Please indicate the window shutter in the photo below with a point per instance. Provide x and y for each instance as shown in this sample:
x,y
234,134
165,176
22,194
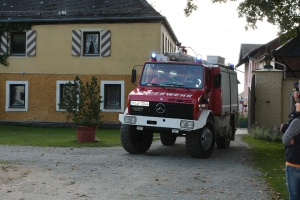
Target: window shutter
x,y
3,43
31,42
76,42
105,43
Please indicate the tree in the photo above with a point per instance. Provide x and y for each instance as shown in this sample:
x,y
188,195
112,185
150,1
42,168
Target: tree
x,y
283,13
190,7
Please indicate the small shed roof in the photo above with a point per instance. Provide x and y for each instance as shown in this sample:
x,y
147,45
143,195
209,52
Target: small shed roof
x,y
291,48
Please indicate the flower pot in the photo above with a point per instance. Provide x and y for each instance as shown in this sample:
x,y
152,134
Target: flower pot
x,y
86,133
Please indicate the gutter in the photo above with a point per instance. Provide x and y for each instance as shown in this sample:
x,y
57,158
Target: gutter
x,y
84,19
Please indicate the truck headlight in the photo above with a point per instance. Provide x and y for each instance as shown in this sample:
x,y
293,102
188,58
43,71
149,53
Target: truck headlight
x,y
187,124
128,119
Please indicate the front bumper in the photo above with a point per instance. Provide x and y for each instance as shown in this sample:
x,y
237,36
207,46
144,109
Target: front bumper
x,y
180,124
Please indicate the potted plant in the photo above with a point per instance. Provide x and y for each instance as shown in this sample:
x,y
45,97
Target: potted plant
x,y
82,102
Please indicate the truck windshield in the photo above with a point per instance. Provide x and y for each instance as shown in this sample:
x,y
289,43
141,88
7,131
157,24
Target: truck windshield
x,y
171,74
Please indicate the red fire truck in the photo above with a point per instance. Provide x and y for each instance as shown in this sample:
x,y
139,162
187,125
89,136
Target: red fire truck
x,y
178,96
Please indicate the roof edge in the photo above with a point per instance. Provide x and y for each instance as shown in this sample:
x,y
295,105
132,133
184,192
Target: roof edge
x,y
86,19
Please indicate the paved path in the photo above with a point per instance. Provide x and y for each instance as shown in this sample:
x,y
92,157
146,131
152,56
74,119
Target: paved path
x,y
163,173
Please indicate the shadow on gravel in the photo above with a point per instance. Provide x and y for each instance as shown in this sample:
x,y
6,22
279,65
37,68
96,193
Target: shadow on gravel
x,y
236,151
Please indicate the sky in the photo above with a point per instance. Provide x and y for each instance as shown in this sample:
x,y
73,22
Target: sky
x,y
214,29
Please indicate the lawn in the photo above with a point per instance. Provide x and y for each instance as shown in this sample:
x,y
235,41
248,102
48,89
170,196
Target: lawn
x,y
268,158
54,137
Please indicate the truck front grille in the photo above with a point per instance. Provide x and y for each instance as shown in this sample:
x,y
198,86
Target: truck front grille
x,y
171,110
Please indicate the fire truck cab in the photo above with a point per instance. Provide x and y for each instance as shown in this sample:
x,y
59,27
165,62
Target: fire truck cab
x,y
178,96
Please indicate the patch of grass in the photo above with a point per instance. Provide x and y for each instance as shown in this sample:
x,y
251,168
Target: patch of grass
x,y
54,137
266,133
268,157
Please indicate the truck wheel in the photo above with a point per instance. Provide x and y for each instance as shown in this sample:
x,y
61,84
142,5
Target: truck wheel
x,y
133,141
200,143
224,141
168,140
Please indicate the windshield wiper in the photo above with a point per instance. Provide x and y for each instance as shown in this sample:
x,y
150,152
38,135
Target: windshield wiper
x,y
174,84
151,84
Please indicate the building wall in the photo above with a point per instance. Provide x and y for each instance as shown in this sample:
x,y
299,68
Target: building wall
x,y
169,44
263,84
42,97
268,93
246,75
131,44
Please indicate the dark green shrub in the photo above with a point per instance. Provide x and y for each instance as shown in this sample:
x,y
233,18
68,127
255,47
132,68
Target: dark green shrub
x,y
242,121
82,102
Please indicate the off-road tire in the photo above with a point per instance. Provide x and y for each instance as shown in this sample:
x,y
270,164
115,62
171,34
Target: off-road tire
x,y
201,143
224,141
133,141
168,140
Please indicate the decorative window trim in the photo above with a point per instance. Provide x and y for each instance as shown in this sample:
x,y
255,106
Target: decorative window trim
x,y
7,104
103,83
58,83
30,44
78,42
3,43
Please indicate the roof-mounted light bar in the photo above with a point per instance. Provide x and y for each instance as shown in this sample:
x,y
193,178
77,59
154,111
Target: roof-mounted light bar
x,y
181,57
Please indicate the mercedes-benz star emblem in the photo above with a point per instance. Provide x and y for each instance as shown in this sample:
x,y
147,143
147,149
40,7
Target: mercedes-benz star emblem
x,y
160,108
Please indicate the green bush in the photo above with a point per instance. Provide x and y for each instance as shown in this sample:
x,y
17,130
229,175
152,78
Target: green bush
x,y
242,121
263,133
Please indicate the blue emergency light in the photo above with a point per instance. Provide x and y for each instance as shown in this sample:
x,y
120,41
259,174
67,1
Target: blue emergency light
x,y
231,66
153,56
198,58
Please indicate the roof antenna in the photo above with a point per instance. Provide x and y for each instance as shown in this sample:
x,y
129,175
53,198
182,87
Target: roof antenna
x,y
39,5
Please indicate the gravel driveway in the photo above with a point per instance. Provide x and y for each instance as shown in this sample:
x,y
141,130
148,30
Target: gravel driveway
x,y
163,173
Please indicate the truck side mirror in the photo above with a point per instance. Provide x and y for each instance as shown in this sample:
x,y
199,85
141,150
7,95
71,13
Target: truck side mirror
x,y
133,75
217,80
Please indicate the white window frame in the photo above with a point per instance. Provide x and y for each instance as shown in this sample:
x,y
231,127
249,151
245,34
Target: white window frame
x,y
86,30
7,104
58,83
103,83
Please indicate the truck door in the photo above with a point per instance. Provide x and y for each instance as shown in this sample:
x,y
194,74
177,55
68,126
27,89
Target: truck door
x,y
225,84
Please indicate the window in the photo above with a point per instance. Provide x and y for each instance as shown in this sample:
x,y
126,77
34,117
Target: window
x,y
60,92
16,96
91,43
112,93
18,44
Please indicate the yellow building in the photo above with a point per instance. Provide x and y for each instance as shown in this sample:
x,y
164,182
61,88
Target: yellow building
x,y
87,38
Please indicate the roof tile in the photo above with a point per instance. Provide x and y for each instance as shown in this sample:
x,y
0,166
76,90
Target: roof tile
x,y
78,9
